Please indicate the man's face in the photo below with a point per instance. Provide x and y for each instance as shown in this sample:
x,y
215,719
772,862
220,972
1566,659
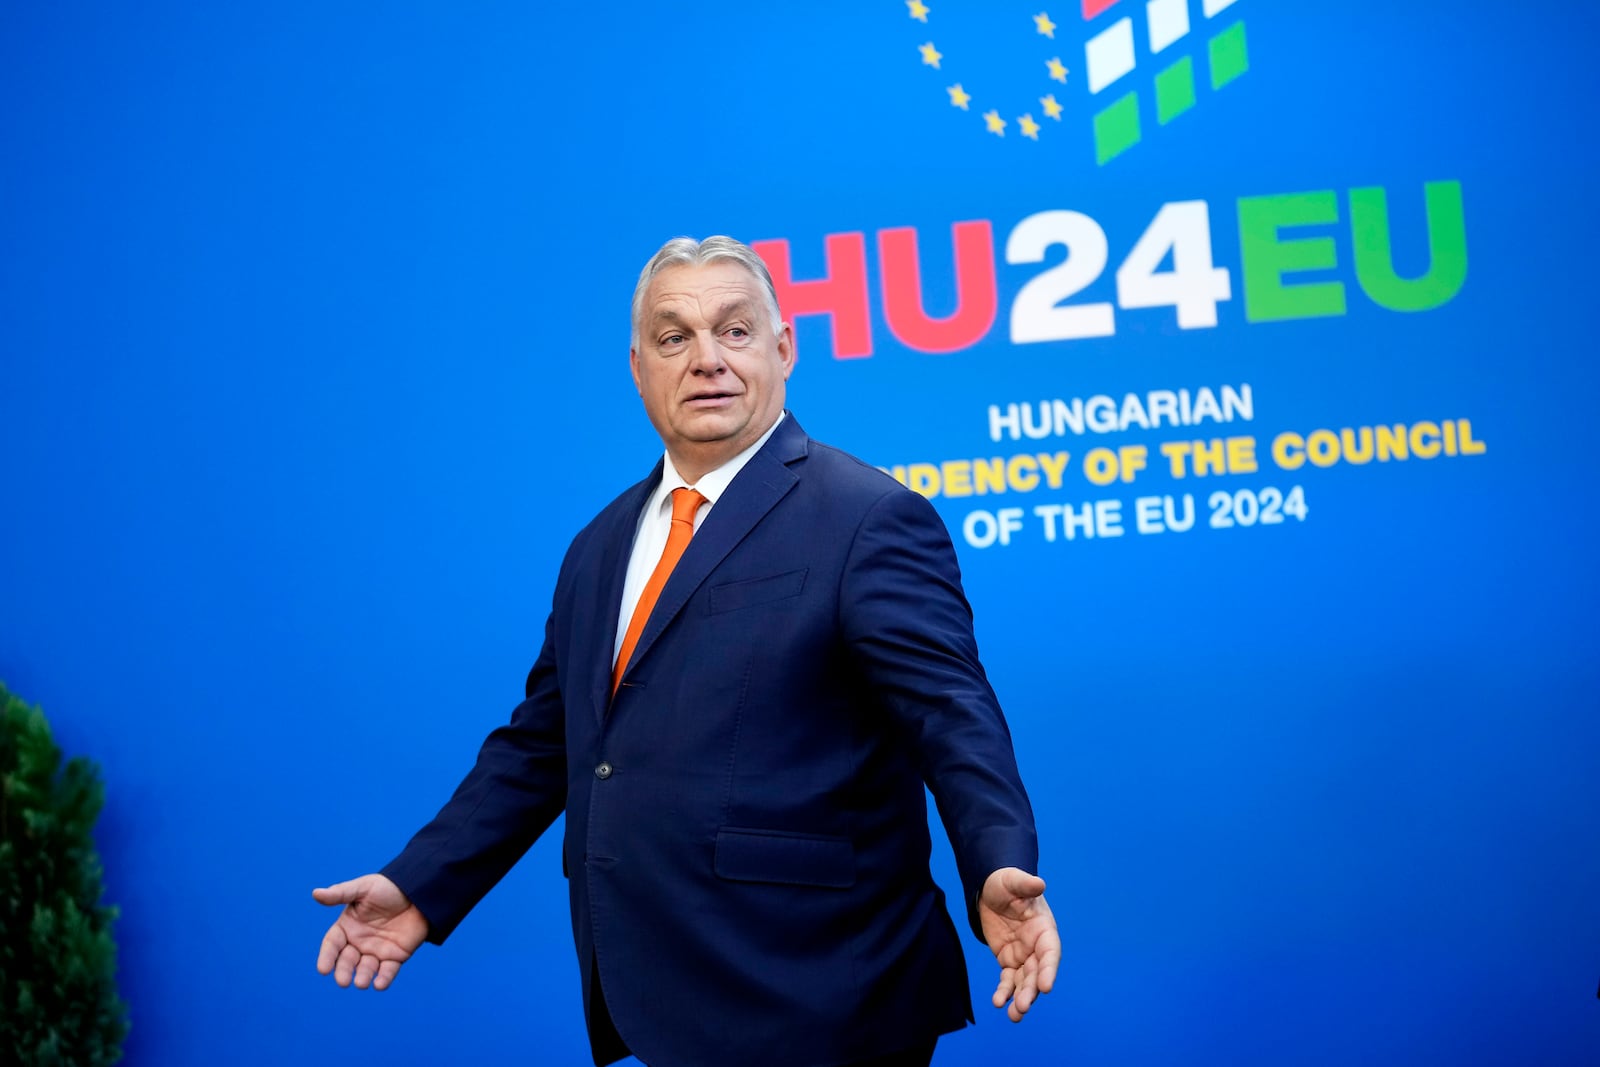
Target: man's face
x,y
710,367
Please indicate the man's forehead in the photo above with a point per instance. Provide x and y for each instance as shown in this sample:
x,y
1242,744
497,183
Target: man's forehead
x,y
712,285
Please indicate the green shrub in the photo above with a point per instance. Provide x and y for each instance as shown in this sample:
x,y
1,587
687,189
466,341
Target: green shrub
x,y
58,990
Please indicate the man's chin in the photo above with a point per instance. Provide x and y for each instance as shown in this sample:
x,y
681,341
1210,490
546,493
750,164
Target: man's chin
x,y
712,426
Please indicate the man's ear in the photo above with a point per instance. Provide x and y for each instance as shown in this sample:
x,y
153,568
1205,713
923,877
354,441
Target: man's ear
x,y
786,349
633,368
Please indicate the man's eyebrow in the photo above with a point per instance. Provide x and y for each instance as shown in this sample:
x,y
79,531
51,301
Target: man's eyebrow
x,y
737,306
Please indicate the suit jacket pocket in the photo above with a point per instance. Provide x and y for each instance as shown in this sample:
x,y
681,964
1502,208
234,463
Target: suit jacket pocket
x,y
736,595
788,858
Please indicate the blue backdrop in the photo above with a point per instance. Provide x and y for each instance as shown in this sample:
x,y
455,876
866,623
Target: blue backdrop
x,y
305,313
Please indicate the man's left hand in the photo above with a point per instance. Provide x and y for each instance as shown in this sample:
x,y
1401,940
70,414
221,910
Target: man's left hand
x,y
1020,929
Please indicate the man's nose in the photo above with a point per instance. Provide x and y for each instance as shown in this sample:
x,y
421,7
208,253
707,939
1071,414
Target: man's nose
x,y
707,356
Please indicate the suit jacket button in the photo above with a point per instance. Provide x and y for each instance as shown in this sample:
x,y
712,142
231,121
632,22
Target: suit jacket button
x,y
603,771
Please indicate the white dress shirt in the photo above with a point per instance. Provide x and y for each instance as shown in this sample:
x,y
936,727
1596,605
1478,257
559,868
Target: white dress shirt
x,y
655,522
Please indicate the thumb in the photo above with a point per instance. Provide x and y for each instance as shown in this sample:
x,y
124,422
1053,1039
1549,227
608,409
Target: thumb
x,y
341,893
1022,884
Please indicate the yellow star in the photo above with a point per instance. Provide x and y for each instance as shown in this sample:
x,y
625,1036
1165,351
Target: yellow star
x,y
1057,71
930,55
919,10
959,97
996,124
1042,22
1030,129
1050,106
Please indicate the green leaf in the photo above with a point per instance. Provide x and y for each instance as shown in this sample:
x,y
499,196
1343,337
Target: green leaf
x,y
58,994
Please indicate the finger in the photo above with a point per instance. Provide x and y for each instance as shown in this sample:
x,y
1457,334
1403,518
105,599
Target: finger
x,y
365,969
339,893
332,943
1027,990
1049,960
1023,997
348,958
386,972
1002,992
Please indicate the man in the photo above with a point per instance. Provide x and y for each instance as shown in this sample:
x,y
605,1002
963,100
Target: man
x,y
754,660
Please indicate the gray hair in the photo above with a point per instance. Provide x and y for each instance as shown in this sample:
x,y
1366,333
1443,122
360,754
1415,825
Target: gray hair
x,y
687,252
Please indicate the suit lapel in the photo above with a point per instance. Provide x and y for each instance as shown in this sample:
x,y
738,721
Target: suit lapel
x,y
617,545
765,480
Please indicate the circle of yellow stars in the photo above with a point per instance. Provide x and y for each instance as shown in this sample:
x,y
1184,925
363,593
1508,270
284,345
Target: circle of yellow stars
x,y
959,97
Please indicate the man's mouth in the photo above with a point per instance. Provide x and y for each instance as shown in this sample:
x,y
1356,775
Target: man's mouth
x,y
708,399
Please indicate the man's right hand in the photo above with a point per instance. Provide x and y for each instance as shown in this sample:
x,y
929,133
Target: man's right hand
x,y
377,931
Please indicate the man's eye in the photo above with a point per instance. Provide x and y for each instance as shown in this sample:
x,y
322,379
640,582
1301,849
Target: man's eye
x,y
738,331
672,339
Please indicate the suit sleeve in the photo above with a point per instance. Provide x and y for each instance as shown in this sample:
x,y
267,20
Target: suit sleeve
x,y
511,796
908,622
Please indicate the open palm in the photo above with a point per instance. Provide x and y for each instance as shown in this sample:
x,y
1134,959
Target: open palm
x,y
377,931
1021,931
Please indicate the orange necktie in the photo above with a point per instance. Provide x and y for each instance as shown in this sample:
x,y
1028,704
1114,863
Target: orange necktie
x,y
685,502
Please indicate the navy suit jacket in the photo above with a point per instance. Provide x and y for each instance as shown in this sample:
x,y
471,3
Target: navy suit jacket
x,y
746,835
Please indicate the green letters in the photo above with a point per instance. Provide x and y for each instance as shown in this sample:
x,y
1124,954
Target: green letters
x,y
1447,249
1267,257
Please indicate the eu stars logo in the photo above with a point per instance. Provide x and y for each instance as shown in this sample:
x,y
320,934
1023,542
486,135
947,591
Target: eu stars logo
x,y
1102,95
